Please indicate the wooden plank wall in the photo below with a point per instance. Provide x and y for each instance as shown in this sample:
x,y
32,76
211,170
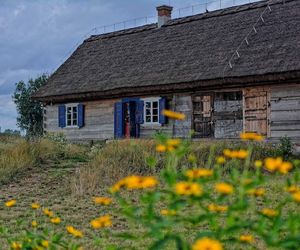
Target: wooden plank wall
x,y
285,112
183,104
99,122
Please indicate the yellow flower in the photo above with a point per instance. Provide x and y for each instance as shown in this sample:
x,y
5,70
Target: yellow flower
x,y
34,223
48,213
207,244
239,154
173,142
10,203
198,173
74,232
269,212
258,164
102,201
217,208
188,188
221,160
251,136
135,182
168,212
35,206
296,196
258,192
161,148
273,164
45,243
285,167
173,115
16,246
242,154
246,238
101,222
55,220
292,189
224,188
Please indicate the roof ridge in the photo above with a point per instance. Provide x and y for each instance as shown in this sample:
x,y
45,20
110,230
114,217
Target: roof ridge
x,y
191,18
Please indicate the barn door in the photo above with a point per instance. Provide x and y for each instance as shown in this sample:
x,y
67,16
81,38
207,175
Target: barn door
x,y
256,110
203,115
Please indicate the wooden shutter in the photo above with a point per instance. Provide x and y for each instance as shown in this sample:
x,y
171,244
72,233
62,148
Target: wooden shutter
x,y
80,115
119,120
62,116
162,106
202,115
139,112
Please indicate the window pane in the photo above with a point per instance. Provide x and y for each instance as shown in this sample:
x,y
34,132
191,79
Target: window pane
x,y
69,122
75,109
155,118
148,105
69,110
148,112
155,111
75,122
74,116
148,118
155,104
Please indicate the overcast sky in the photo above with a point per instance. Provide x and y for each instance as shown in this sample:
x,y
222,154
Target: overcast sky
x,y
36,36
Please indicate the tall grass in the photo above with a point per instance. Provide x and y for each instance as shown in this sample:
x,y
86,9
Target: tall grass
x,y
17,154
118,159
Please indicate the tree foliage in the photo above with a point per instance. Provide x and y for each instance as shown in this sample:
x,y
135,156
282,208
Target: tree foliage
x,y
30,112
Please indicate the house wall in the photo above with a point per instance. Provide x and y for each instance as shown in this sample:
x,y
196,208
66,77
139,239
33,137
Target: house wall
x,y
285,112
271,111
99,121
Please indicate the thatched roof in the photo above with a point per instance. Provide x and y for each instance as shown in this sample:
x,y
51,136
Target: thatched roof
x,y
186,53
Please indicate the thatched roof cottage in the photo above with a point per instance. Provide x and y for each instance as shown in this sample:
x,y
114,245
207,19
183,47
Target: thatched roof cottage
x,y
230,70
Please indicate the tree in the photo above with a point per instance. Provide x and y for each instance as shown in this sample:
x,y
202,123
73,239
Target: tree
x,y
30,112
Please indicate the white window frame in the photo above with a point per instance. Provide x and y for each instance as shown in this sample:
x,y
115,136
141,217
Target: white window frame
x,y
71,105
151,100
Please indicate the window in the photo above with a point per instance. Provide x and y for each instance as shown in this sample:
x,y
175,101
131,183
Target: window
x,y
71,115
151,111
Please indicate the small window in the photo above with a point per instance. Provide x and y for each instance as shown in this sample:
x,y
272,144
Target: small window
x,y
71,115
151,111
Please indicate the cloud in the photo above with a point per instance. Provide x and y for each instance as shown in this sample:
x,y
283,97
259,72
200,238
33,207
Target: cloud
x,y
8,113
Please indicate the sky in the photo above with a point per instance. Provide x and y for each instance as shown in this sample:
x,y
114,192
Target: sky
x,y
36,36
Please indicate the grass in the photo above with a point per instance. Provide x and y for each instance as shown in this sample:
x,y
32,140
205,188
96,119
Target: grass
x,y
58,176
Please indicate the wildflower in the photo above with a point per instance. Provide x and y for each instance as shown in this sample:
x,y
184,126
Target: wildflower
x,y
207,244
34,223
217,208
173,142
292,189
10,203
258,164
161,148
101,222
102,201
239,154
227,153
269,212
135,182
285,167
45,243
273,164
55,220
258,192
246,238
242,154
16,246
173,115
198,173
168,212
251,136
296,196
221,160
35,206
48,213
76,233
224,188
188,188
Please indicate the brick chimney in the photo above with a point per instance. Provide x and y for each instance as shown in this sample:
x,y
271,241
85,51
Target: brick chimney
x,y
164,14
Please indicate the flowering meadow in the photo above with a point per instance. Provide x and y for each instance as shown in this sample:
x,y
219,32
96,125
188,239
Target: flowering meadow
x,y
186,206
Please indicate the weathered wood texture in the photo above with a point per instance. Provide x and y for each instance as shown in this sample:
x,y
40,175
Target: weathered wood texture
x,y
285,112
256,110
182,104
99,122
